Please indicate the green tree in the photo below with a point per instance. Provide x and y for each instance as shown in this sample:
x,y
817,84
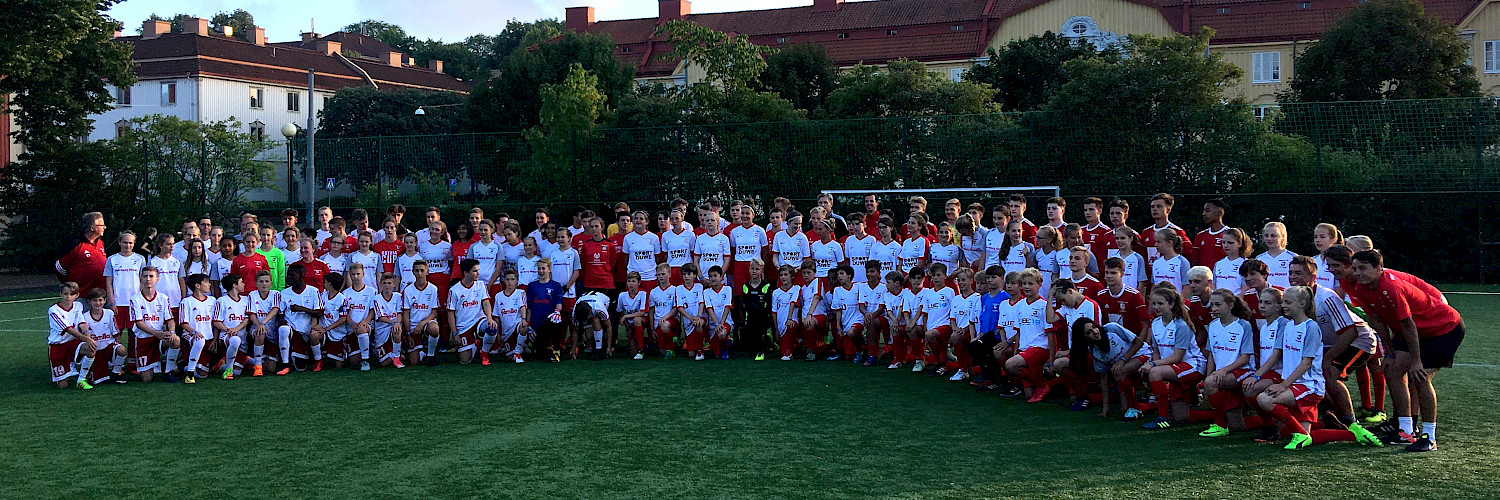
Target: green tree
x,y
368,136
50,195
174,21
458,61
803,74
1027,72
516,35
365,111
387,33
192,167
58,65
905,88
242,22
1384,49
729,61
570,111
512,101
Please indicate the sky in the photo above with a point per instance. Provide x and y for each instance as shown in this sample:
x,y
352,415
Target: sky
x,y
448,20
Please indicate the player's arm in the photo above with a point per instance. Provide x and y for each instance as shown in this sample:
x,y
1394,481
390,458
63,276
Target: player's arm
x,y
488,307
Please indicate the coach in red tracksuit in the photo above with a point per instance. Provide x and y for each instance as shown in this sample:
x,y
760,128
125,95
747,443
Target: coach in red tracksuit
x,y
84,263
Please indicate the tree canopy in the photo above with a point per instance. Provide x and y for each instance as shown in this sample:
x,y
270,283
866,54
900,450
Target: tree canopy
x,y
1026,73
1384,49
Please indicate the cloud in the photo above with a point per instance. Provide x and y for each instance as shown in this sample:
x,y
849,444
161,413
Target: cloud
x,y
449,20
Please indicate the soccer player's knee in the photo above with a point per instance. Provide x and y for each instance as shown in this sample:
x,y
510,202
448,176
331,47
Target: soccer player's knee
x,y
119,350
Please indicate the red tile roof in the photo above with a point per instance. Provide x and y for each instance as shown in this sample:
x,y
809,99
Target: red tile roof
x,y
182,54
864,24
360,44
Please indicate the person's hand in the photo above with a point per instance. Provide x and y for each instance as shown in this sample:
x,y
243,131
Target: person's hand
x,y
1416,370
1147,366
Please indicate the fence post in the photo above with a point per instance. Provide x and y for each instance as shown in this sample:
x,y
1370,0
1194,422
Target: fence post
x,y
1479,167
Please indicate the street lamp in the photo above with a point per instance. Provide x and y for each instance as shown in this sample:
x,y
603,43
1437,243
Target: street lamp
x,y
421,111
289,131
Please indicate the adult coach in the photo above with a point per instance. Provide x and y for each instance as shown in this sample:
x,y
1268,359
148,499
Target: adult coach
x,y
84,263
1423,331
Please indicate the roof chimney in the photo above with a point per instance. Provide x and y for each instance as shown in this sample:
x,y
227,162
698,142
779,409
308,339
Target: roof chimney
x,y
394,58
195,25
329,47
579,18
228,30
258,37
435,65
153,29
672,10
827,5
309,36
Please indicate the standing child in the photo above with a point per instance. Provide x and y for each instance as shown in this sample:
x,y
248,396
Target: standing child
x,y
754,297
1048,244
223,260
275,259
1135,273
169,270
122,277
1277,258
1170,266
367,257
407,260
335,258
313,270
566,269
1236,247
526,264
1015,253
544,301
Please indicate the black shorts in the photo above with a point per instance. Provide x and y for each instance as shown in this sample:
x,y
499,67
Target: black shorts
x,y
1346,361
1437,352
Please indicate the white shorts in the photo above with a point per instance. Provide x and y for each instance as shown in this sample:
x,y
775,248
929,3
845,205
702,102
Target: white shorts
x,y
336,334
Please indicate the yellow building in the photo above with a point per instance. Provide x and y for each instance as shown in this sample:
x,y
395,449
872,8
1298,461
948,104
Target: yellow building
x,y
1260,36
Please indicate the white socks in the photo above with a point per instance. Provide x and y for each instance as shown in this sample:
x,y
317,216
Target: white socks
x,y
232,351
432,343
170,363
317,352
195,351
285,344
520,344
598,339
364,346
487,343
1404,423
1430,429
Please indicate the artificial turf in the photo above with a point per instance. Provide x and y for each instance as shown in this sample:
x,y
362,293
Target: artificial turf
x,y
675,428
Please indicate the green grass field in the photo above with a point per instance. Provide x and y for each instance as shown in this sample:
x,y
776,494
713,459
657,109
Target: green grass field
x,y
675,428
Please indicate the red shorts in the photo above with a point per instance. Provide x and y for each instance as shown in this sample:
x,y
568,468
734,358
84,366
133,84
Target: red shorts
x,y
1240,373
464,341
568,305
336,350
1307,403
944,331
740,271
855,329
62,356
1143,359
1183,369
673,325
442,282
147,352
1035,357
122,318
648,285
1273,376
676,278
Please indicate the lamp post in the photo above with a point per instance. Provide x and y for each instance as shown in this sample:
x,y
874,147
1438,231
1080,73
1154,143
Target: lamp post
x,y
289,131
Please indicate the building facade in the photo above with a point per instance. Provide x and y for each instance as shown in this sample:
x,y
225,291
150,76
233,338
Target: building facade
x,y
1260,36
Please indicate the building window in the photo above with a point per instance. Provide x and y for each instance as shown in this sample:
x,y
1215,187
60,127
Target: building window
x,y
257,98
843,35
625,50
1304,5
1262,112
258,130
122,96
122,128
169,94
890,32
294,101
1265,67
956,74
325,102
957,27
1223,10
781,40
1492,56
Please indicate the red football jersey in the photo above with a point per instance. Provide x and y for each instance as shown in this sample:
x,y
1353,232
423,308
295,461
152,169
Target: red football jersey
x,y
83,265
313,272
351,244
1395,298
246,266
1200,313
598,259
1208,247
1128,308
1148,238
619,261
389,251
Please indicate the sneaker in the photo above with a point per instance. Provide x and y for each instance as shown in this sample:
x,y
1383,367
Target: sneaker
x,y
1400,438
1079,404
786,358
724,355
859,357
1423,443
639,356
978,380
760,356
988,387
918,366
518,359
283,371
834,357
256,371
556,357
895,365
228,373
1374,418
1365,437
188,378
668,354
958,376
1011,392
84,384
484,358
1131,414
430,361
1268,434
364,366
871,360
171,378
118,379
1214,431
812,356
699,357
1299,441
318,365
941,371
1040,393
1158,424
396,362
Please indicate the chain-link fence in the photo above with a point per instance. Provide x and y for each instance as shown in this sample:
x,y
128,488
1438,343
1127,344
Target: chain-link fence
x,y
1416,175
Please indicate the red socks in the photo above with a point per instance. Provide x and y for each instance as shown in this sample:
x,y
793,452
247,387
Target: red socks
x,y
1291,425
1163,392
1321,436
1377,381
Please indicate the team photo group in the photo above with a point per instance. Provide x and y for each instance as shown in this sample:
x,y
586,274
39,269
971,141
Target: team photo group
x,y
1159,325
